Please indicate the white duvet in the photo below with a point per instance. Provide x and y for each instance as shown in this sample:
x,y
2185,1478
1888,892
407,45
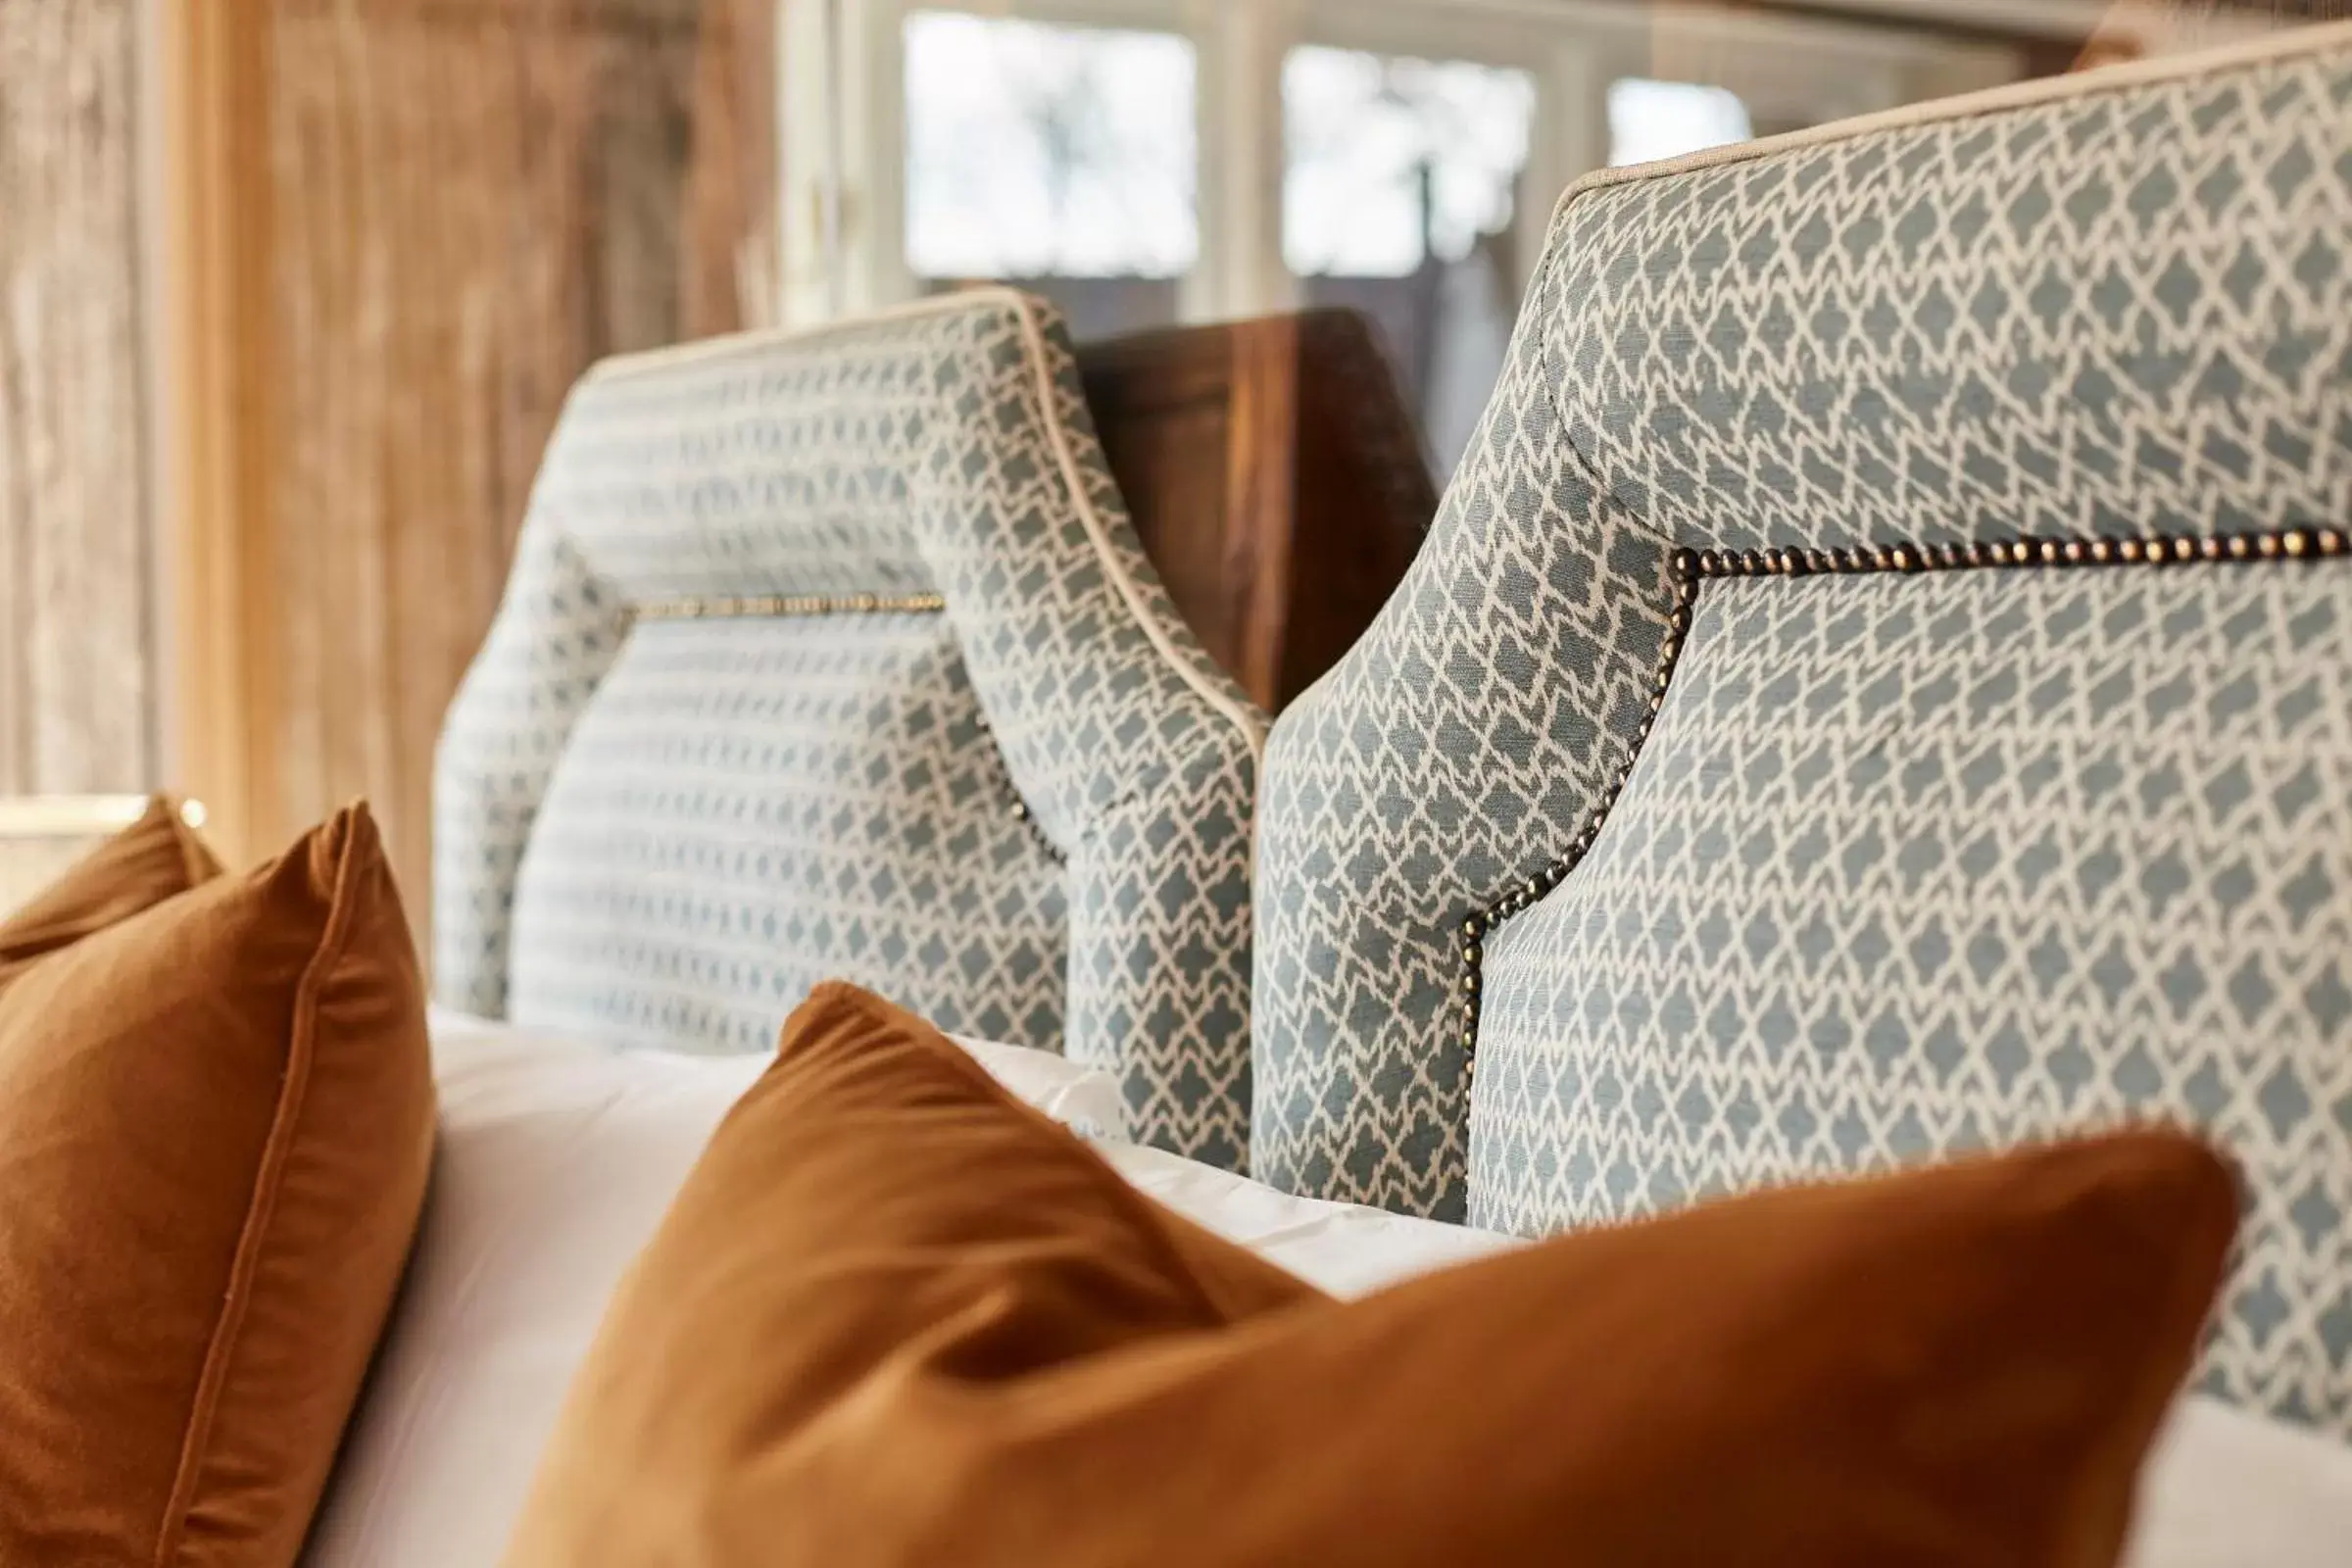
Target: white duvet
x,y
558,1161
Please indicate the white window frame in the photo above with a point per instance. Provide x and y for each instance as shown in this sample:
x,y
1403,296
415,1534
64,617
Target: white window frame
x,y
843,124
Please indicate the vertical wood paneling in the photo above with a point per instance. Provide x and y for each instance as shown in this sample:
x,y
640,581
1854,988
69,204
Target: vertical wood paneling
x,y
220,663
465,203
77,694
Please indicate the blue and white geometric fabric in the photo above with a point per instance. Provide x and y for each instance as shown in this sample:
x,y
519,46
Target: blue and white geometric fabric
x,y
1881,683
959,746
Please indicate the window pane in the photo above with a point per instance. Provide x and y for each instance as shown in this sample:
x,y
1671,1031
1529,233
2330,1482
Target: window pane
x,y
1653,119
1038,152
1392,160
1401,186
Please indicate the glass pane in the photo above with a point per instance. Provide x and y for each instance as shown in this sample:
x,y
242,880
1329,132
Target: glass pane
x,y
1653,119
1394,159
1061,158
1398,199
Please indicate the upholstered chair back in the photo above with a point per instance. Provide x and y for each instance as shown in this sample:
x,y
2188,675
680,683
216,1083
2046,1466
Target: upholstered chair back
x,y
1880,684
833,655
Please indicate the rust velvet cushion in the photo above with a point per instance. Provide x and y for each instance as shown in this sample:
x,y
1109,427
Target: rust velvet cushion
x,y
895,1318
216,1122
157,857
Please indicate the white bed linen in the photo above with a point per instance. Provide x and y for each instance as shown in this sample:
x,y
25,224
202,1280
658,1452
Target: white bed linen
x,y
558,1161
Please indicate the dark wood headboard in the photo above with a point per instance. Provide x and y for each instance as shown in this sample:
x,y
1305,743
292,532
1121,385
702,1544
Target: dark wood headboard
x,y
1276,479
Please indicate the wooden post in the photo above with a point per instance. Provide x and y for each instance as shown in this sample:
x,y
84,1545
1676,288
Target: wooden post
x,y
215,343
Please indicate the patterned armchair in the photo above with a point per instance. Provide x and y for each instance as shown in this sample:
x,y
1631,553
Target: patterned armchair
x,y
833,655
1880,684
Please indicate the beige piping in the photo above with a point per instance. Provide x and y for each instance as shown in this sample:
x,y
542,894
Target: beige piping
x,y
1253,734
1097,532
2311,40
731,344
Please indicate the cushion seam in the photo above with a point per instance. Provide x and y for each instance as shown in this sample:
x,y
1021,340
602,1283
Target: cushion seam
x,y
1109,1186
261,1208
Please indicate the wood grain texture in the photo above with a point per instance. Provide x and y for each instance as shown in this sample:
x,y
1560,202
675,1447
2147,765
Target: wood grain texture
x,y
1275,478
77,697
216,403
459,207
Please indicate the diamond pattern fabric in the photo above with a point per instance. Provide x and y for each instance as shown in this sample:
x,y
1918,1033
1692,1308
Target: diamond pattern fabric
x,y
1029,815
2115,306
1912,865
847,758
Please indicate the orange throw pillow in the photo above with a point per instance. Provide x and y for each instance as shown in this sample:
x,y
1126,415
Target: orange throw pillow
x,y
216,1120
896,1320
157,857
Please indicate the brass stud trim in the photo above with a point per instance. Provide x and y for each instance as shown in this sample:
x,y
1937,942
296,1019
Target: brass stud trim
x,y
1016,806
1018,810
770,607
1686,569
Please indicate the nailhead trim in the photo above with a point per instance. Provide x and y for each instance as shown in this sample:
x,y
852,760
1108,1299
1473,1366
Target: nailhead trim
x,y
773,606
1688,568
778,606
1016,805
1028,818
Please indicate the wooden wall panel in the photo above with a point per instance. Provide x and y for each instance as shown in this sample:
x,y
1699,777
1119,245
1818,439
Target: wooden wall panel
x,y
76,698
461,204
1275,478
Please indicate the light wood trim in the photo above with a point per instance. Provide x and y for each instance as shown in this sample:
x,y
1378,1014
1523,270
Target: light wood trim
x,y
80,816
216,420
